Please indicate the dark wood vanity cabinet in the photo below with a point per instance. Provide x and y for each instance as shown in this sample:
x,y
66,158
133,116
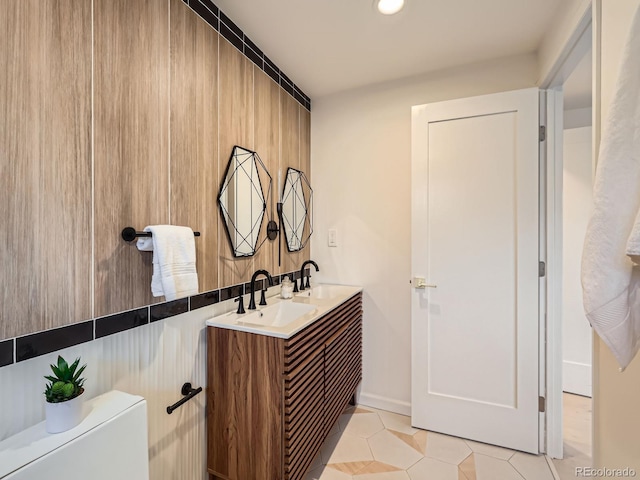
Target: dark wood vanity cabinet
x,y
271,401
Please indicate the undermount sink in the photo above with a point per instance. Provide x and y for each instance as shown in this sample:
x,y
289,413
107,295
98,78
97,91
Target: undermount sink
x,y
285,317
325,292
277,315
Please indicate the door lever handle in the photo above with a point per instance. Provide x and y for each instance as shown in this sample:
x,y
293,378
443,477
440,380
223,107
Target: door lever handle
x,y
421,282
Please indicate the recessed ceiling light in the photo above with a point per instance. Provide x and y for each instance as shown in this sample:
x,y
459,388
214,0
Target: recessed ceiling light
x,y
389,7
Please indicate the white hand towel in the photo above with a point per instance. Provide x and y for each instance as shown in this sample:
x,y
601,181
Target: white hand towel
x,y
633,244
174,261
145,244
609,280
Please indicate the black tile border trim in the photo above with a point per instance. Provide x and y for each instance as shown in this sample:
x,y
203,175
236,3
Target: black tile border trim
x,y
41,343
232,26
209,4
230,35
204,300
121,322
6,352
231,292
207,11
48,341
216,18
274,73
169,309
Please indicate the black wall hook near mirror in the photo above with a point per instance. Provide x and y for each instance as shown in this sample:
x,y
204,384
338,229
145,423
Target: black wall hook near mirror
x,y
272,230
188,393
129,234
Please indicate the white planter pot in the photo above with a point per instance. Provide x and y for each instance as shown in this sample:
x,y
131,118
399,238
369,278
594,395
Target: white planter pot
x,y
63,416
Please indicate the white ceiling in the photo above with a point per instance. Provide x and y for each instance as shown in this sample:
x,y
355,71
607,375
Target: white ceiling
x,y
326,46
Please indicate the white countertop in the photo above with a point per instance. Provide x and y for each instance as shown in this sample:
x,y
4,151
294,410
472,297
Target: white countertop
x,y
319,307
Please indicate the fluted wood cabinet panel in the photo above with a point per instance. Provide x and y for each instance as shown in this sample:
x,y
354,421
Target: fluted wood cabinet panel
x,y
244,394
338,337
131,150
45,164
236,128
306,380
343,360
290,157
267,144
194,133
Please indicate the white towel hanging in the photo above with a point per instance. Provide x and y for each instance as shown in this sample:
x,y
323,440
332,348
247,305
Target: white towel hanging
x,y
609,279
174,260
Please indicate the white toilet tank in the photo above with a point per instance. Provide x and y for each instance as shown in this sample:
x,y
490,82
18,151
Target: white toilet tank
x,y
110,443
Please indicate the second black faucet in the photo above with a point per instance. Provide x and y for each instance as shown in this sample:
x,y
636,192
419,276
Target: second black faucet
x,y
304,264
252,299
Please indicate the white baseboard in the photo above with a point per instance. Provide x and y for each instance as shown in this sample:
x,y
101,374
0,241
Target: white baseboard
x,y
384,403
576,378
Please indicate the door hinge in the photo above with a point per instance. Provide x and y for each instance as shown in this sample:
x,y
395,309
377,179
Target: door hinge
x,y
542,404
543,133
542,269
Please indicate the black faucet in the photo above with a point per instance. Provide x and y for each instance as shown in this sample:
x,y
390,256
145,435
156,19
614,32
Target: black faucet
x,y
252,300
240,304
304,264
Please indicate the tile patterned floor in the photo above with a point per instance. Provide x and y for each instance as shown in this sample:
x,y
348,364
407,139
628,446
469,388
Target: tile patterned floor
x,y
369,444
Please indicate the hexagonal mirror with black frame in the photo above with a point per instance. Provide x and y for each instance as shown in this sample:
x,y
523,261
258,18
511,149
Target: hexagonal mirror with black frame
x,y
297,210
246,186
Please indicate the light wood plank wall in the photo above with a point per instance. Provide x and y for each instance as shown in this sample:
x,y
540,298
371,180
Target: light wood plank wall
x,y
289,150
267,136
45,164
305,166
131,144
144,140
194,134
236,128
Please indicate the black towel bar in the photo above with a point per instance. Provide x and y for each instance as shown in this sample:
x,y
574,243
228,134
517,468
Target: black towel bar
x,y
188,393
129,234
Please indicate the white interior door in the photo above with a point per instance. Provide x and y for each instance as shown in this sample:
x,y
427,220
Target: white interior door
x,y
475,242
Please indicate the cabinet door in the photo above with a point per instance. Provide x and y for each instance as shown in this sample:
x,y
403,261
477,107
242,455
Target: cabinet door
x,y
343,369
322,368
244,405
303,402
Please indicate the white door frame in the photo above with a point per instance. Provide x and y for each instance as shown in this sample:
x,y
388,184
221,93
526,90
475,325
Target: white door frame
x,y
573,50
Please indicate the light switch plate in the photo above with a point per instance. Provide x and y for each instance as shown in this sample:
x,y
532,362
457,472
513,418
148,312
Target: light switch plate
x,y
332,237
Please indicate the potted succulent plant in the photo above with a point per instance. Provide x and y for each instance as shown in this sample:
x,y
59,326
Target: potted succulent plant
x,y
63,393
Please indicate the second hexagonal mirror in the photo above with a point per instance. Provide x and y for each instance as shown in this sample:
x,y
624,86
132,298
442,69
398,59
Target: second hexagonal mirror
x,y
297,210
245,187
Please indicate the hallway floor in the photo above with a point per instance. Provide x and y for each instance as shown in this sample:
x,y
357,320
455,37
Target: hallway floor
x,y
370,444
577,413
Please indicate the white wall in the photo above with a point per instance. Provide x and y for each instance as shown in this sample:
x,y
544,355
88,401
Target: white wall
x,y
616,396
578,117
361,167
577,205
